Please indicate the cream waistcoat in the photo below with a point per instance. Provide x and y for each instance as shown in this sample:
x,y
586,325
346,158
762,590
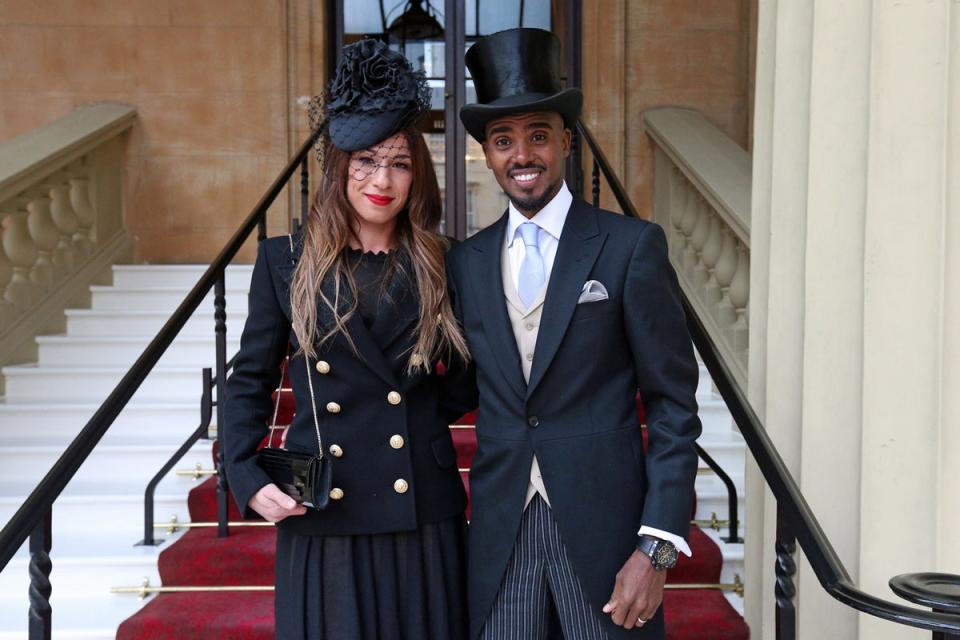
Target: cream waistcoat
x,y
526,325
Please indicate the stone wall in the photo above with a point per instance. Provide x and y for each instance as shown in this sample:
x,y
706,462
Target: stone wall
x,y
214,84
684,53
216,87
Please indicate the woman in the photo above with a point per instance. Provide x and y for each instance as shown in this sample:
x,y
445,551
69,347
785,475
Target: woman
x,y
360,298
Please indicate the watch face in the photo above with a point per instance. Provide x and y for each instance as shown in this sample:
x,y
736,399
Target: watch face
x,y
665,555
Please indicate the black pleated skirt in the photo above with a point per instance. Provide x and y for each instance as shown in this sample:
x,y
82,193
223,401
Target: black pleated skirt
x,y
389,586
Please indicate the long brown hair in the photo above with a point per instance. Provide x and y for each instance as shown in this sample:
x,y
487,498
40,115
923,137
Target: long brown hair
x,y
326,239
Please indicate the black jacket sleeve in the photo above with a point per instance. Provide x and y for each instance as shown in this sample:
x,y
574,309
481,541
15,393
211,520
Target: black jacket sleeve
x,y
667,375
256,374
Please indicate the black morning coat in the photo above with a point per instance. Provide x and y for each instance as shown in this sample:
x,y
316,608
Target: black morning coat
x,y
578,412
369,465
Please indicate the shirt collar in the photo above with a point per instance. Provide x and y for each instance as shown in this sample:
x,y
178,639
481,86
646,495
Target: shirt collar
x,y
550,218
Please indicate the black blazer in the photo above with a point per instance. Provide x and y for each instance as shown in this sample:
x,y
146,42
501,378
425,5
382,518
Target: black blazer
x,y
369,465
578,413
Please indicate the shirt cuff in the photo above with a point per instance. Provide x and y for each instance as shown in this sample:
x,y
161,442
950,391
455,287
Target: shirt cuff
x,y
677,541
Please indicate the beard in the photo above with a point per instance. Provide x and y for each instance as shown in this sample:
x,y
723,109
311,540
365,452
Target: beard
x,y
534,203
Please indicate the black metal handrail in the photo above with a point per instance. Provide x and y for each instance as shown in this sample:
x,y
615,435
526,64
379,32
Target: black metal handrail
x,y
795,519
202,431
207,403
33,517
733,500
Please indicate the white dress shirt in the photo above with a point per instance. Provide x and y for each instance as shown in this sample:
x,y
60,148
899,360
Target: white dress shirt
x,y
550,221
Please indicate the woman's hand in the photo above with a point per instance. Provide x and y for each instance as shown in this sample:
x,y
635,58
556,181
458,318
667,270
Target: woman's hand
x,y
274,505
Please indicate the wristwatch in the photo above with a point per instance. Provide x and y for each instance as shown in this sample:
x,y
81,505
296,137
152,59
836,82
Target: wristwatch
x,y
663,555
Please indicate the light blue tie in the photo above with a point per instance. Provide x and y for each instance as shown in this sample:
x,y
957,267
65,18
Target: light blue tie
x,y
532,273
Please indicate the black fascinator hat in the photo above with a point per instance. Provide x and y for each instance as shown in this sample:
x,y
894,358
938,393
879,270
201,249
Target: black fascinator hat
x,y
517,71
374,93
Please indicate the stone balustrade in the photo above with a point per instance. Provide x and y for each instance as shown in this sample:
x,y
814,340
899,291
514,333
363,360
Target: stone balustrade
x,y
61,214
702,201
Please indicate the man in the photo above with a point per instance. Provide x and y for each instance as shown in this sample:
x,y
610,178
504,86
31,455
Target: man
x,y
568,310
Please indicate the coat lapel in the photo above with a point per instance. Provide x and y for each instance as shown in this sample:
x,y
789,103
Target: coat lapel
x,y
579,246
486,271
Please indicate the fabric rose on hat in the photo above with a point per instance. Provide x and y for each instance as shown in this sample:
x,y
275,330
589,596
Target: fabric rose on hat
x,y
371,77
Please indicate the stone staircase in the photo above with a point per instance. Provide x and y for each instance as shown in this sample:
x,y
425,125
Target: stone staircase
x,y
99,518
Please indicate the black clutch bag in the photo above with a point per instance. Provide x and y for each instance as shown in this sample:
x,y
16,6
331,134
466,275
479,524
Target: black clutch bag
x,y
305,477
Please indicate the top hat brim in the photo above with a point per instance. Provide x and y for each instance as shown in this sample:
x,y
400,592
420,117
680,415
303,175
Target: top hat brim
x,y
568,103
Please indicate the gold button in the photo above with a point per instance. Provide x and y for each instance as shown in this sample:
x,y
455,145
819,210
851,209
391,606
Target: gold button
x,y
336,493
336,451
416,359
323,366
396,441
393,398
401,486
333,407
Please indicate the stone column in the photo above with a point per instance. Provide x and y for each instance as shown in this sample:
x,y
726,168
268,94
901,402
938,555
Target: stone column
x,y
855,348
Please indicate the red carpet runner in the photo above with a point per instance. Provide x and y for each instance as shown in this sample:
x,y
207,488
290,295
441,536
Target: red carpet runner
x,y
246,557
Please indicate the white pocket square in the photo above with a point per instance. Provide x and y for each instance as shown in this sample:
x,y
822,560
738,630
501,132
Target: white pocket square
x,y
592,291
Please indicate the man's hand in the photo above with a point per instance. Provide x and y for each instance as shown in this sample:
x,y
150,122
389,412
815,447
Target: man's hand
x,y
637,593
274,505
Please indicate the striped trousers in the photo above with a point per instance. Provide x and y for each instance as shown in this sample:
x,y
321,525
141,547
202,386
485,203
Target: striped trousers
x,y
538,570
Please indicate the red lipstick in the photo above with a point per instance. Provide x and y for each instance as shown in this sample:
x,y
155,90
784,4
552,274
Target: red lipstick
x,y
380,201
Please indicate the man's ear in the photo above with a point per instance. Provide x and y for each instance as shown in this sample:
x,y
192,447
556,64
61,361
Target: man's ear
x,y
567,142
486,158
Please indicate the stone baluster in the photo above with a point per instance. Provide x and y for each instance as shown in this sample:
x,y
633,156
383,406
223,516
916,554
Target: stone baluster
x,y
20,251
85,237
687,224
677,197
711,255
67,224
740,297
724,272
7,310
45,236
698,275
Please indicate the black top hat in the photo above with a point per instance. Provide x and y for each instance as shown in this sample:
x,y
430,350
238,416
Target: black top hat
x,y
517,71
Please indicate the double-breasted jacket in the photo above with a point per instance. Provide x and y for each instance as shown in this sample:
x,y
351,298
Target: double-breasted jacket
x,y
385,431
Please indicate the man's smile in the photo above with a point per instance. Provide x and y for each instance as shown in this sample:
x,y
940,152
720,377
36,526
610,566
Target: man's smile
x,y
526,177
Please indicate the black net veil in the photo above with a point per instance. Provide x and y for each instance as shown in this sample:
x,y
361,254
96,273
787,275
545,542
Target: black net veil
x,y
374,94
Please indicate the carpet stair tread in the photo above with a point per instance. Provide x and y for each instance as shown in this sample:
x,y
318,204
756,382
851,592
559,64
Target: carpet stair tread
x,y
703,567
212,616
200,558
202,503
246,557
702,614
695,613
